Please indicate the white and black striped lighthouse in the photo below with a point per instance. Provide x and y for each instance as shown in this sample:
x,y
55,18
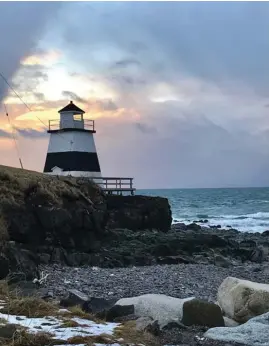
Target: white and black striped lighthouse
x,y
71,148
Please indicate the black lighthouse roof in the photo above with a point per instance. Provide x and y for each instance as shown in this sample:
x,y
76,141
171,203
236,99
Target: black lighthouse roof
x,y
71,107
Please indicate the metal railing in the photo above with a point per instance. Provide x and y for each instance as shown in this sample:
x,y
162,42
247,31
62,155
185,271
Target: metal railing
x,y
86,124
114,185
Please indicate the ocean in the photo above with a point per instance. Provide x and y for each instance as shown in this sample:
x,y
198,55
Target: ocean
x,y
245,209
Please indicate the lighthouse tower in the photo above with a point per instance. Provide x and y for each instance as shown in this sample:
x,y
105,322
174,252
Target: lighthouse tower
x,y
71,148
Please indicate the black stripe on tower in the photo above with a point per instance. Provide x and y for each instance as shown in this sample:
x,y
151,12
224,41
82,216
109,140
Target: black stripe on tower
x,y
72,161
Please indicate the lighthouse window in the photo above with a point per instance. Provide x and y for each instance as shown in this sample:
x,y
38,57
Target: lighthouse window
x,y
77,117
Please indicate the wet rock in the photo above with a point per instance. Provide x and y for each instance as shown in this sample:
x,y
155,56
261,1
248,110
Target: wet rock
x,y
193,226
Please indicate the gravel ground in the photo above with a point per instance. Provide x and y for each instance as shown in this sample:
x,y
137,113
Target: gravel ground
x,y
201,281
181,281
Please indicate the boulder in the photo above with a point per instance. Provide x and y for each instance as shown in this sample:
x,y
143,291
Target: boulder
x,y
170,311
255,332
118,312
159,307
74,298
241,300
98,306
202,313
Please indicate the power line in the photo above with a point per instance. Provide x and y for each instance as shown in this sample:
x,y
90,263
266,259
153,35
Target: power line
x,y
14,91
14,137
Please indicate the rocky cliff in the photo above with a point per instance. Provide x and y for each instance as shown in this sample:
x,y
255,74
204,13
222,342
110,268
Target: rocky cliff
x,y
46,219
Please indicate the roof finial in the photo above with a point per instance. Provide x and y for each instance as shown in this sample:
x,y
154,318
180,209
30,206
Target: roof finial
x,y
71,102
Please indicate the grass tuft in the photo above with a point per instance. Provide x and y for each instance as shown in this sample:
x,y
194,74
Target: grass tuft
x,y
91,340
128,332
29,307
76,311
23,338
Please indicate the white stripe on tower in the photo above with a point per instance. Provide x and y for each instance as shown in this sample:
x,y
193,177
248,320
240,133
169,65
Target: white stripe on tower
x,y
72,149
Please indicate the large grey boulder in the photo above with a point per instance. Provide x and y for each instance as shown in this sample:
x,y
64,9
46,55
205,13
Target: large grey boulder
x,y
170,311
159,307
242,300
255,332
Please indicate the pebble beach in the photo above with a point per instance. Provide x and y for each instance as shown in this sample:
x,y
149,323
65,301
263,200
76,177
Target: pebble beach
x,y
180,281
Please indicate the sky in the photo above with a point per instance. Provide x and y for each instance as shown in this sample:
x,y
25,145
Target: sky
x,y
179,91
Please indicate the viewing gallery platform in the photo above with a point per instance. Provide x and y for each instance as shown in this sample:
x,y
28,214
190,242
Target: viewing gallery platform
x,y
77,123
115,186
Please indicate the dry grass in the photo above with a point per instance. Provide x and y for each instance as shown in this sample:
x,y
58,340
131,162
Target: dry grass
x,y
23,338
76,311
4,290
128,332
69,324
29,307
91,340
17,185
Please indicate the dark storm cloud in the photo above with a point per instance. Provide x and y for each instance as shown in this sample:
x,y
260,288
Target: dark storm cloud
x,y
215,41
21,26
73,96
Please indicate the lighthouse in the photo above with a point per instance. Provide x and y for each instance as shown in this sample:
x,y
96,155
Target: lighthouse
x,y
72,149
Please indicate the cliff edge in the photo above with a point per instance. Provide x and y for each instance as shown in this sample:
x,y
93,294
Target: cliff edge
x,y
46,219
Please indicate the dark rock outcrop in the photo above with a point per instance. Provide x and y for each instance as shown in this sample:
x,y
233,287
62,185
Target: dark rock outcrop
x,y
138,213
46,219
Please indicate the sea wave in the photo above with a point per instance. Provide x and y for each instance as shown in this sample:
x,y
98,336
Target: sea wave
x,y
256,222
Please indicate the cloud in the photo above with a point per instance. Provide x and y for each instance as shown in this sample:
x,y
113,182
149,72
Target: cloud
x,y
20,33
102,105
179,89
4,134
125,63
217,42
144,128
73,96
31,133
